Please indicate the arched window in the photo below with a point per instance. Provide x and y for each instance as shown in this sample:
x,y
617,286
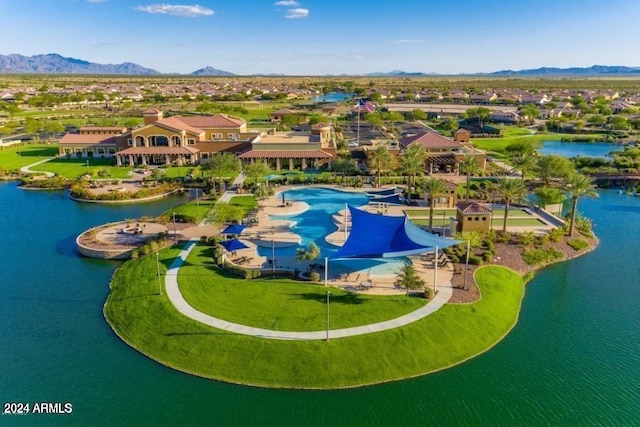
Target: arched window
x,y
139,141
158,141
175,141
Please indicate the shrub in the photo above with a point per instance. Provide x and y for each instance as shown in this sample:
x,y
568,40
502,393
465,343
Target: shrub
x,y
487,257
578,244
135,254
475,260
540,256
428,293
556,234
314,276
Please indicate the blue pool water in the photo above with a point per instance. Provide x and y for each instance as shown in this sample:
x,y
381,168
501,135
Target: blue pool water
x,y
316,223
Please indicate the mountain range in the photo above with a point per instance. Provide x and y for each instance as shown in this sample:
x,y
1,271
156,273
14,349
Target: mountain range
x,y
54,63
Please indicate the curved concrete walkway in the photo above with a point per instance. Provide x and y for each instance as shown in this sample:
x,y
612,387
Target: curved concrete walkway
x,y
176,298
27,169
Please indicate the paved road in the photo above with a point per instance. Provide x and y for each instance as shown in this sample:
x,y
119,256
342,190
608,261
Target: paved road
x,y
176,298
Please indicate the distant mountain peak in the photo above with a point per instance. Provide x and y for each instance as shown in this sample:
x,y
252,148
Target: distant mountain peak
x,y
210,71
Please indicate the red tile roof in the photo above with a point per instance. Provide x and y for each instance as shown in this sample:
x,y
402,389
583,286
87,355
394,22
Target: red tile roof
x,y
285,154
175,123
159,150
114,129
76,138
473,207
215,121
431,140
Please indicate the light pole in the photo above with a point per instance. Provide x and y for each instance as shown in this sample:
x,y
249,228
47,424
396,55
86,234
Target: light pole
x,y
87,163
444,230
175,234
326,269
466,266
328,295
158,272
273,258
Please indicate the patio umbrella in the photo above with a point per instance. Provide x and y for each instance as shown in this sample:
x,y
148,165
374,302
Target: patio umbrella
x,y
234,229
233,245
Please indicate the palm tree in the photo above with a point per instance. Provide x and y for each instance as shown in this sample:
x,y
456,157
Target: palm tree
x,y
469,165
577,186
412,165
524,163
379,159
511,190
435,188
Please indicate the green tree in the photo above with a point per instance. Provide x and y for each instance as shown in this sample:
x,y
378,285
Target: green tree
x,y
409,279
577,186
412,165
468,166
450,124
224,212
618,123
554,166
256,170
312,252
434,188
597,120
379,159
521,147
530,111
481,114
511,190
343,167
416,114
525,164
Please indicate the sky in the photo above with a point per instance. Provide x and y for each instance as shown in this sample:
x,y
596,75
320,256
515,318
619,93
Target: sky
x,y
320,37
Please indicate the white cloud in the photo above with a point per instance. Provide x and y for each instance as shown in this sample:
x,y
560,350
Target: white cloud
x,y
406,41
297,13
190,11
97,1
287,3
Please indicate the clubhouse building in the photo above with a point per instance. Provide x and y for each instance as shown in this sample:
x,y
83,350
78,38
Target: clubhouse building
x,y
189,140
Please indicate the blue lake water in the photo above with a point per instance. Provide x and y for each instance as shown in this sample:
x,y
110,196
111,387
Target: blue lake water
x,y
582,149
333,97
572,359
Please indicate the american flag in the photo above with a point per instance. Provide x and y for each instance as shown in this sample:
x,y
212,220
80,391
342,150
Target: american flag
x,y
365,106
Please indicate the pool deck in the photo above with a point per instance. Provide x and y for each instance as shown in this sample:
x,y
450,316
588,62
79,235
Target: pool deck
x,y
268,232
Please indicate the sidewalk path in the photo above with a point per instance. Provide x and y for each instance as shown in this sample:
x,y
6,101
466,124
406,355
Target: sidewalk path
x,y
176,298
27,169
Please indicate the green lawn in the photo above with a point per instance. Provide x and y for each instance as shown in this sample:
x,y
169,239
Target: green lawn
x,y
73,168
193,209
498,220
17,157
247,203
149,323
425,212
281,304
497,146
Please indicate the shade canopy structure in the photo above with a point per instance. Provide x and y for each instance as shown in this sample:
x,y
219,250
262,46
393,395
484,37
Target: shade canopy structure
x,y
379,236
234,229
233,245
384,192
274,177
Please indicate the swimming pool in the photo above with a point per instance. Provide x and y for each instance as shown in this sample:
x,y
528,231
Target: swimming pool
x,y
316,223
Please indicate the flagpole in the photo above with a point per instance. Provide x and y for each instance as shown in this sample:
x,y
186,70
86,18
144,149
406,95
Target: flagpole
x,y
358,128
